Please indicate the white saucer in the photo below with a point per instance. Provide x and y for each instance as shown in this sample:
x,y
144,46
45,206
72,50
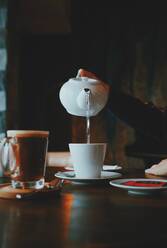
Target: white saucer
x,y
70,175
106,167
139,185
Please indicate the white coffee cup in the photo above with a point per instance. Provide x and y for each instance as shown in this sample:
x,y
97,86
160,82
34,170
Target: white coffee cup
x,y
87,159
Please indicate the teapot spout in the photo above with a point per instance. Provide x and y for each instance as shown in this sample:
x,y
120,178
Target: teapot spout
x,y
84,99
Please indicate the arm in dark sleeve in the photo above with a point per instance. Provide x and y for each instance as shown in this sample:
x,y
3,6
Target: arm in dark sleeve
x,y
143,117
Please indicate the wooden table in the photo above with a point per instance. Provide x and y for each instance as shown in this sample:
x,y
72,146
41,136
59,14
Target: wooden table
x,y
90,216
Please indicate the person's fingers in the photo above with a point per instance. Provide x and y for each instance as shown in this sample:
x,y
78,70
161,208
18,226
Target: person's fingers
x,y
84,73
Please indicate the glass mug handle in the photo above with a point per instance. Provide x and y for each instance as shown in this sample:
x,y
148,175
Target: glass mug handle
x,y
7,160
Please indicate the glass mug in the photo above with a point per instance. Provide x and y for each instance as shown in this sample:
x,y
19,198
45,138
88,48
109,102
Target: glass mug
x,y
23,156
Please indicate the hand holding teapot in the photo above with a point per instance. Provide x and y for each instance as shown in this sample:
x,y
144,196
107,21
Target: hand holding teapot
x,y
83,96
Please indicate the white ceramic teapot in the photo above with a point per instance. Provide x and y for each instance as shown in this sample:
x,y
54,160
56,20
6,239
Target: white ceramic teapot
x,y
82,96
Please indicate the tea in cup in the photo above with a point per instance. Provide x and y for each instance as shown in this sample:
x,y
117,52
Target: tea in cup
x,y
27,150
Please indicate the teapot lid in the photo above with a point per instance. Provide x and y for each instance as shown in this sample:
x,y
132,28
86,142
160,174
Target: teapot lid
x,y
84,79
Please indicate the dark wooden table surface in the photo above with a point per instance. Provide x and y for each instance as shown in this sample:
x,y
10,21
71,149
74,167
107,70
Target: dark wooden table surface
x,y
90,216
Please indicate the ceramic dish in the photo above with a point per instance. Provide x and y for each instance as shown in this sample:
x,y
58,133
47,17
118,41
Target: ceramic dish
x,y
70,175
141,185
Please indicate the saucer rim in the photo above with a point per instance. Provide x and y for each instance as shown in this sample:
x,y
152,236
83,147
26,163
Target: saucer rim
x,y
118,168
112,175
118,183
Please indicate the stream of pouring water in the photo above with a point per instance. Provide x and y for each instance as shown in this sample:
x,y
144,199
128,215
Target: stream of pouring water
x,y
88,115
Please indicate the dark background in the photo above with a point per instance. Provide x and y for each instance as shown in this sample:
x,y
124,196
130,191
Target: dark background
x,y
124,45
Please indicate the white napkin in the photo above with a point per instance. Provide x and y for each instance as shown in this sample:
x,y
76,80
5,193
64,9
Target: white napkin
x,y
158,169
59,159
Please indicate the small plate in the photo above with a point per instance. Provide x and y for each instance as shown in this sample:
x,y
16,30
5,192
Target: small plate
x,y
106,167
141,185
70,175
